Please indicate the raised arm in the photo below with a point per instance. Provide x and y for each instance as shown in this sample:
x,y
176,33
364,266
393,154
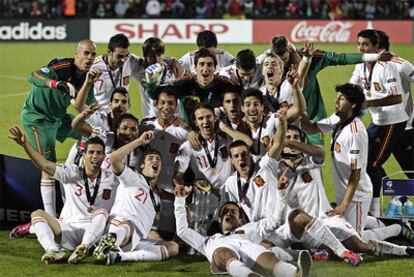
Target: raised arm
x,y
91,77
235,135
40,162
118,156
278,139
308,149
299,105
78,123
308,125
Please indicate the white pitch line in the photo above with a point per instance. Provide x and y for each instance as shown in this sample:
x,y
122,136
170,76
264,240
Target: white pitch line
x,y
12,77
13,94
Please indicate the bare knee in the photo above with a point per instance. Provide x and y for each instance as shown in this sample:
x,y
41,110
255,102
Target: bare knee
x,y
223,256
172,248
38,213
298,220
265,262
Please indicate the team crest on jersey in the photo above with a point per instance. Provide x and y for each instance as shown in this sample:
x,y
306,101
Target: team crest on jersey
x,y
377,87
306,177
259,181
125,81
337,148
174,148
224,152
106,194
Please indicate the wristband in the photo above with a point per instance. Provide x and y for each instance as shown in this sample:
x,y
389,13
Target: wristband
x,y
306,59
53,83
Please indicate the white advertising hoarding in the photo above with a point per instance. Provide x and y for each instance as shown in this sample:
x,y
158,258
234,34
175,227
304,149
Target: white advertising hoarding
x,y
171,31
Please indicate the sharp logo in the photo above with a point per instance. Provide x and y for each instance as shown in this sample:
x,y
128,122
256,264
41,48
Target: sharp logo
x,y
24,31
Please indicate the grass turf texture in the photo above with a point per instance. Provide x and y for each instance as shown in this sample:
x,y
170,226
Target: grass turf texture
x,y
22,257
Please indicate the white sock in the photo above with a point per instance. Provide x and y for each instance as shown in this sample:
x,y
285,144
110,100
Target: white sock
x,y
372,222
382,233
147,253
375,207
383,247
321,233
96,228
281,254
48,193
121,231
237,268
44,234
284,270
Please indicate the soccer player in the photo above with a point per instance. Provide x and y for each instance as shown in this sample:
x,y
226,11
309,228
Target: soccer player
x,y
134,210
382,88
233,114
102,123
252,186
44,114
231,251
349,148
246,73
203,87
85,212
210,163
168,138
116,70
404,151
170,69
207,40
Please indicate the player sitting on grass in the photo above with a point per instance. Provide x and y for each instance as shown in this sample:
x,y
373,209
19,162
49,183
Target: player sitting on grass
x,y
84,214
232,250
134,209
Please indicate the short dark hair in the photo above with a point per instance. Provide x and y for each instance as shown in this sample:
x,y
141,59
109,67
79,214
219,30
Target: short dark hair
x,y
274,56
354,94
94,140
144,155
371,35
206,39
151,48
229,203
252,92
123,117
246,59
167,89
299,130
204,53
120,90
384,40
118,41
280,45
237,143
201,106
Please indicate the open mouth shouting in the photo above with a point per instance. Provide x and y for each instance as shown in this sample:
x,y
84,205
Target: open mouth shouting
x,y
270,74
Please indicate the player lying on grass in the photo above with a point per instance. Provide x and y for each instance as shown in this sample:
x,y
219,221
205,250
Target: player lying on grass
x,y
232,250
134,210
84,214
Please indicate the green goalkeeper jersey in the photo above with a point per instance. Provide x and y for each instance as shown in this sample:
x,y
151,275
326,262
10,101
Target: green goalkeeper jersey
x,y
312,92
47,105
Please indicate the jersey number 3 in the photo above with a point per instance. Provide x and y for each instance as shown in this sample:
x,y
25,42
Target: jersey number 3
x,y
142,196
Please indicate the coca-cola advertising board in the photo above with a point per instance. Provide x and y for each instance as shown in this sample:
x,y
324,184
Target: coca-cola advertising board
x,y
325,31
171,31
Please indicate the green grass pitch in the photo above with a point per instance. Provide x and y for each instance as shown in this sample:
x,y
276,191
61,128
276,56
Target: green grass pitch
x,y
22,257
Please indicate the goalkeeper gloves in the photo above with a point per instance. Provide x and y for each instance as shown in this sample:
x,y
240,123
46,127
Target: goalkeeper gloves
x,y
65,87
152,72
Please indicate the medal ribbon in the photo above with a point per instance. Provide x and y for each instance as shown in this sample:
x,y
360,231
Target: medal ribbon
x,y
91,200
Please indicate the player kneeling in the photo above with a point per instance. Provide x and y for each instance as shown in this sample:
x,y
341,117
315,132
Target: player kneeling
x,y
134,210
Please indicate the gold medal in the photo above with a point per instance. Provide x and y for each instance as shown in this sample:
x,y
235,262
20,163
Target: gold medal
x,y
90,209
213,171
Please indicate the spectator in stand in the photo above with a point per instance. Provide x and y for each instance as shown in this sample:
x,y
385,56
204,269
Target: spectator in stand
x,y
219,8
153,9
335,11
411,11
69,8
292,9
177,9
248,8
370,10
121,7
201,11
35,10
100,10
235,10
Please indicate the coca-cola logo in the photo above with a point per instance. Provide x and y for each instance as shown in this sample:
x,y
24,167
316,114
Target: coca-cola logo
x,y
333,31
